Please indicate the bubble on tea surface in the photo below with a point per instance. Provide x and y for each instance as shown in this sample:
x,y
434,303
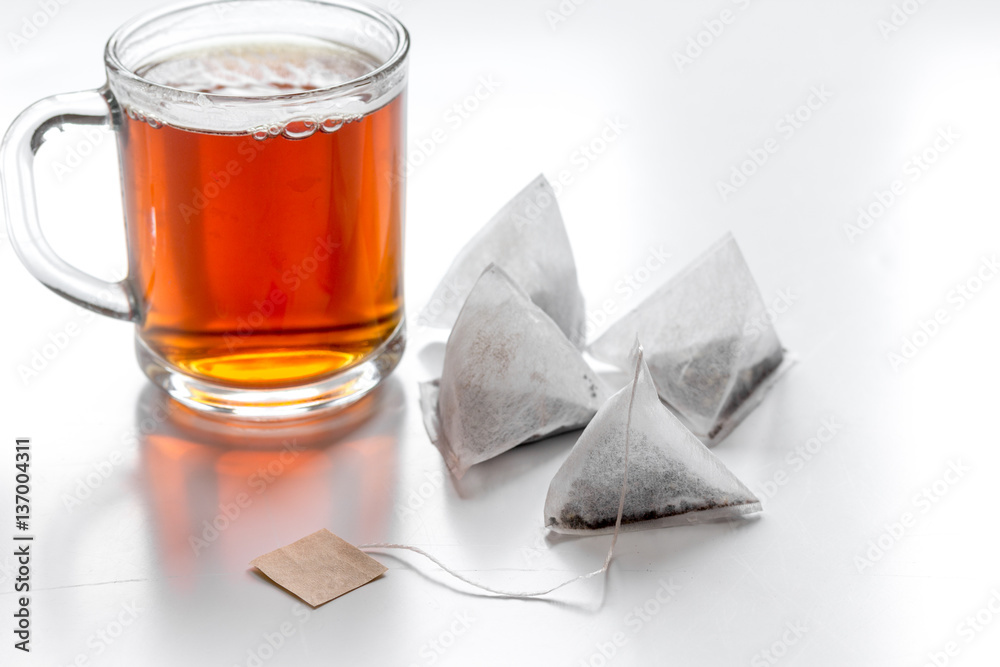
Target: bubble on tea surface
x,y
331,124
299,129
264,67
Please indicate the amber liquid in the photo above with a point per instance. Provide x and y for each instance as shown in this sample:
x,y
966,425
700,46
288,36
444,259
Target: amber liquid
x,y
266,263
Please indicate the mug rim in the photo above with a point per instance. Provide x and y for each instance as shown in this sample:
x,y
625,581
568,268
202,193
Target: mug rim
x,y
114,63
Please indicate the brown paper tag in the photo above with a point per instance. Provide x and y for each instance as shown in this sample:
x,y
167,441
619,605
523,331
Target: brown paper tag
x,y
319,567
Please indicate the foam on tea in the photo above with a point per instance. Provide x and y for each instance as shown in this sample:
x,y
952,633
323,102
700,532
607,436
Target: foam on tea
x,y
673,479
257,263
275,66
510,376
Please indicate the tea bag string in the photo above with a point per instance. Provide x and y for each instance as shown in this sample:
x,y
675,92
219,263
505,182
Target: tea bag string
x,y
530,594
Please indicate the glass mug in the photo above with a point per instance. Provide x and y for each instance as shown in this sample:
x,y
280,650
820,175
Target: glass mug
x,y
261,146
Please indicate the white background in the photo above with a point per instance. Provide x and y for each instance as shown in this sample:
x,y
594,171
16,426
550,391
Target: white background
x,y
145,486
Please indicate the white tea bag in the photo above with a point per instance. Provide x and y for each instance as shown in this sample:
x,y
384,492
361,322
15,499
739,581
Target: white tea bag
x,y
528,240
510,376
709,346
673,478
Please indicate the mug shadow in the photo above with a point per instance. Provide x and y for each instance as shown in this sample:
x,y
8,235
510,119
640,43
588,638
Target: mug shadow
x,y
220,492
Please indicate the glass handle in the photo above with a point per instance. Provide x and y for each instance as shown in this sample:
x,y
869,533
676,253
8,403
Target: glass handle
x,y
17,155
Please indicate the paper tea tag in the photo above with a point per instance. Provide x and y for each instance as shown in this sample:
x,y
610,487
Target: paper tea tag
x,y
319,567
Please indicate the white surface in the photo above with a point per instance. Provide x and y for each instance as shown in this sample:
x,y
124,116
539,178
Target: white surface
x,y
127,543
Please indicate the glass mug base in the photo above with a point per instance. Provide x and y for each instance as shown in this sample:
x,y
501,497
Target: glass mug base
x,y
334,392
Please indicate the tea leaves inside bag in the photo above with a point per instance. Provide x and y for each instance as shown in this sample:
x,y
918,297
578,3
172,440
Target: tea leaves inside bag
x,y
510,376
528,240
672,477
709,346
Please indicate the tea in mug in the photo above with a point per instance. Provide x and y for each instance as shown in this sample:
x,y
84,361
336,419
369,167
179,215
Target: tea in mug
x,y
274,257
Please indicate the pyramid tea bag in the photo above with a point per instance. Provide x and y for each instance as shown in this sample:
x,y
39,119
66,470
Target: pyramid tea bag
x,y
510,376
672,477
709,346
528,240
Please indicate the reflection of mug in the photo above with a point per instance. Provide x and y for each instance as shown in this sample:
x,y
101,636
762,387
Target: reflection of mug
x,y
214,486
261,144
